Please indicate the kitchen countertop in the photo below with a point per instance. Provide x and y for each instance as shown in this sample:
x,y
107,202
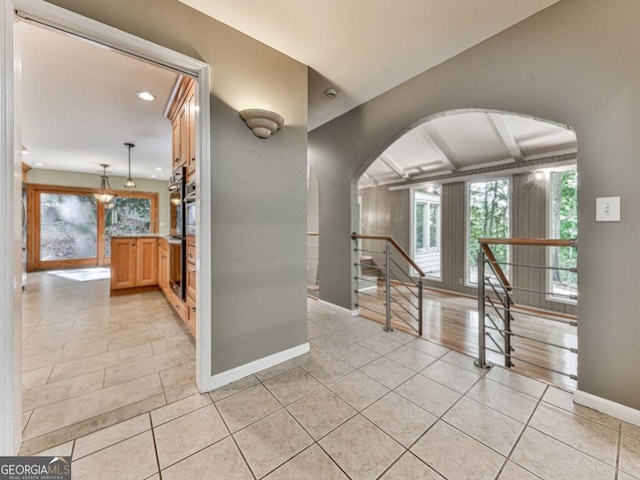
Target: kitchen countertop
x,y
168,238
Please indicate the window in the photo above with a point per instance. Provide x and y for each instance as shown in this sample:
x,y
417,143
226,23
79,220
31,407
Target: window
x,y
563,223
426,232
488,216
129,216
68,228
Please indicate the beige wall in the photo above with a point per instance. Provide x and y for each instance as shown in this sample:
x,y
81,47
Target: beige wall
x,y
574,63
258,186
73,179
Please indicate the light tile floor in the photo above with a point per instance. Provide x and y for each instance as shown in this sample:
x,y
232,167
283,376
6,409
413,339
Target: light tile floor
x,y
378,405
90,360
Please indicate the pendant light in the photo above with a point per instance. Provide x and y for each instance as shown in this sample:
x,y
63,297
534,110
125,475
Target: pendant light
x,y
129,183
104,194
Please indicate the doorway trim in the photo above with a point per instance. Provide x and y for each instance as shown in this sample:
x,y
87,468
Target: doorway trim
x,y
10,183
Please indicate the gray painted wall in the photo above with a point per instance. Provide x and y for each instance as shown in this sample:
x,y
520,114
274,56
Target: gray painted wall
x,y
388,213
574,63
258,186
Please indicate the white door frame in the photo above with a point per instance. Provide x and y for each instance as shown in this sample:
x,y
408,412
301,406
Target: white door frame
x,y
10,189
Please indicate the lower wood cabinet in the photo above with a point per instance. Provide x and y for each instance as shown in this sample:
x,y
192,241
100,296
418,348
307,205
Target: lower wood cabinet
x,y
134,262
191,315
144,262
191,283
163,265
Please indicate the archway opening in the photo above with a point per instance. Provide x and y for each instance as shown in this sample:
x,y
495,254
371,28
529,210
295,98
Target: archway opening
x,y
454,177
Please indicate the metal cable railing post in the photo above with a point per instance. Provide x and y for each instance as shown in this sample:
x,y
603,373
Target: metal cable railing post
x,y
482,358
420,306
387,284
507,327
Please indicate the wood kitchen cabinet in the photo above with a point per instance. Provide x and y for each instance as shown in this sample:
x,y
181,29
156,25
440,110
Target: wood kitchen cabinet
x,y
182,114
191,282
163,264
123,263
134,262
190,105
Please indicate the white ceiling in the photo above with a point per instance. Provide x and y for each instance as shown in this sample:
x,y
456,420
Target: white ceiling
x,y
467,141
365,47
79,107
79,104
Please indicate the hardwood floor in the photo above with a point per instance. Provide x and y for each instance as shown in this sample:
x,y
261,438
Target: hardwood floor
x,y
452,321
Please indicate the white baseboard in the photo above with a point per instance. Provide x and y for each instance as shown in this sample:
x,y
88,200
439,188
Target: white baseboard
x,y
220,379
617,410
353,313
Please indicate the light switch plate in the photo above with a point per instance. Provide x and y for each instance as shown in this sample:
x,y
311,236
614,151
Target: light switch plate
x,y
608,209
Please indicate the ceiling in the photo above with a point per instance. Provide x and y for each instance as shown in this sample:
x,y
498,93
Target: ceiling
x,y
79,107
465,142
363,48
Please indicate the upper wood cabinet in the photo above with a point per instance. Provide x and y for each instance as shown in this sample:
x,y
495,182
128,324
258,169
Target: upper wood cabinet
x,y
191,137
181,110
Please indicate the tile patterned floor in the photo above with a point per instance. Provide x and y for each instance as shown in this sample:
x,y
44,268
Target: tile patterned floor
x,y
91,360
362,405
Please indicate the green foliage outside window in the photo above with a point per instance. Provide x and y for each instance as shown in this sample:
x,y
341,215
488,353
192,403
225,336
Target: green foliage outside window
x,y
419,217
489,217
564,225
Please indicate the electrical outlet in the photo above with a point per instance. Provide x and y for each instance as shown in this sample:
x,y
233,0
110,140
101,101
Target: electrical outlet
x,y
608,209
460,281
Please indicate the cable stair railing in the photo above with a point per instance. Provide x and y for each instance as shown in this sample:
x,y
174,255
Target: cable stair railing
x,y
403,294
497,312
313,257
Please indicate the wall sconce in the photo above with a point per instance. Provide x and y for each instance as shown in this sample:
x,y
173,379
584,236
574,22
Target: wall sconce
x,y
262,122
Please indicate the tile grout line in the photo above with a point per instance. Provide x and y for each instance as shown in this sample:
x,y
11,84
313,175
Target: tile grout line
x,y
526,424
617,474
233,438
155,445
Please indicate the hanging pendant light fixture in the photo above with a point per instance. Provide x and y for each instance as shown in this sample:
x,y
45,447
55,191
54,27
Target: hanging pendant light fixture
x,y
129,183
105,194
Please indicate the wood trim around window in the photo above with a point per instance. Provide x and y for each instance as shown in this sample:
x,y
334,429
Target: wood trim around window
x,y
33,225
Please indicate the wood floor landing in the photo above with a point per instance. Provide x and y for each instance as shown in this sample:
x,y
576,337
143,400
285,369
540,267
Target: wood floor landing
x,y
452,321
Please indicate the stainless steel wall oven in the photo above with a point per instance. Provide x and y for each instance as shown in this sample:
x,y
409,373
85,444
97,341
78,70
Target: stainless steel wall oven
x,y
176,204
177,247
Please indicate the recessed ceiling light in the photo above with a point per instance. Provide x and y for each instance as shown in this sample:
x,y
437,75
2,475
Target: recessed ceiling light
x,y
158,169
38,164
147,96
154,176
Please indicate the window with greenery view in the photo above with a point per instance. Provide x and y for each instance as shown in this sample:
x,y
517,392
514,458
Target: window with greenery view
x,y
426,232
68,226
129,216
563,224
71,229
489,216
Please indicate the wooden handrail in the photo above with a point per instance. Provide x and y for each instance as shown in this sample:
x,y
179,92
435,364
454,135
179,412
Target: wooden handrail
x,y
313,234
496,266
397,246
531,242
